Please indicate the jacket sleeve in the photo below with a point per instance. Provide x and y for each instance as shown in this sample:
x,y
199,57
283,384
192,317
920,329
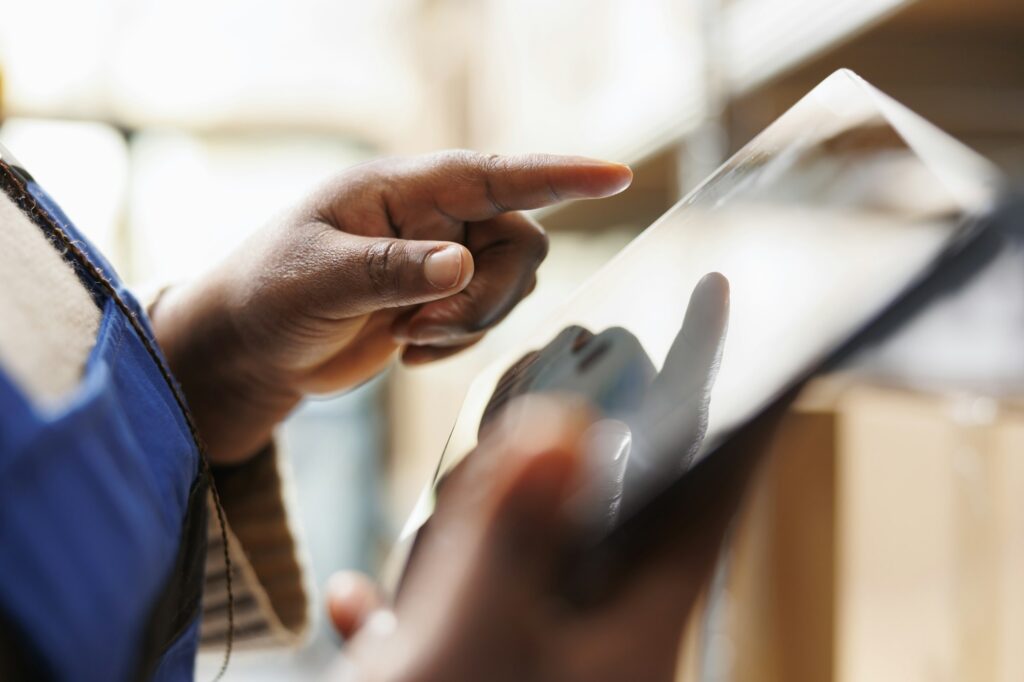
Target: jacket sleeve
x,y
271,602
268,578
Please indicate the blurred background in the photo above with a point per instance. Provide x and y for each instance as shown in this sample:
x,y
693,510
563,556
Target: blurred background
x,y
171,130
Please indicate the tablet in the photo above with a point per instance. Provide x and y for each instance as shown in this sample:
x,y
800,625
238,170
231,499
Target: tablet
x,y
795,248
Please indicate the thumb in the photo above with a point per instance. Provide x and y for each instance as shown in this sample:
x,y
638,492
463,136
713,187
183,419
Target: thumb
x,y
351,597
390,273
542,438
499,511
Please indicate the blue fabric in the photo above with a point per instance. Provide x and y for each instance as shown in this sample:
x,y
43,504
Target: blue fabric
x,y
179,661
93,494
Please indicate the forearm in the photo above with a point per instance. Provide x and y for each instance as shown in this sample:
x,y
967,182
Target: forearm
x,y
235,405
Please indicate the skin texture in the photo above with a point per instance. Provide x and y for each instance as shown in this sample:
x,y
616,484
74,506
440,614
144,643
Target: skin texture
x,y
325,297
482,599
416,257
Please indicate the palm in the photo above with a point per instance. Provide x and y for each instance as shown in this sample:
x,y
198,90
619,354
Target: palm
x,y
365,346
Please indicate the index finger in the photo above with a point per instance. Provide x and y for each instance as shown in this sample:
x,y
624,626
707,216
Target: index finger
x,y
469,186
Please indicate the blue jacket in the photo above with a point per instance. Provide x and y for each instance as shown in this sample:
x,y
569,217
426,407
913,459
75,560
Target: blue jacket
x,y
102,499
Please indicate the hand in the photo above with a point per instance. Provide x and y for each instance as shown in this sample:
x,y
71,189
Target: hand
x,y
422,254
482,599
653,423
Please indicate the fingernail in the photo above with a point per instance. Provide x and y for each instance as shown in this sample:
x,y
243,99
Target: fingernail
x,y
428,335
626,178
443,267
341,587
381,623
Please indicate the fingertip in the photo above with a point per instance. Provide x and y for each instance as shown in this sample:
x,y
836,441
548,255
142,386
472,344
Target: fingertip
x,y
351,597
620,176
595,178
468,268
449,267
709,303
716,281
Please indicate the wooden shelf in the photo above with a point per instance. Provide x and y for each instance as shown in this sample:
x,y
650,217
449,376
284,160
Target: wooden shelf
x,y
959,63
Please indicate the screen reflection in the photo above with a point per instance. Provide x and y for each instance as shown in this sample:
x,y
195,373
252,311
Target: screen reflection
x,y
796,243
651,423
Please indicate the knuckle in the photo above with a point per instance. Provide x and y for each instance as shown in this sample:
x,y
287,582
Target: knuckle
x,y
553,194
496,204
455,165
471,312
490,166
378,170
457,158
529,239
373,166
369,172
492,161
382,261
539,243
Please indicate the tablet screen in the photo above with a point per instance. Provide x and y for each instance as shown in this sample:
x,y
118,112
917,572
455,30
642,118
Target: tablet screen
x,y
791,247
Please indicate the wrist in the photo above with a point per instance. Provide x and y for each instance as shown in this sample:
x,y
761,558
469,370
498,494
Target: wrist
x,y
235,405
